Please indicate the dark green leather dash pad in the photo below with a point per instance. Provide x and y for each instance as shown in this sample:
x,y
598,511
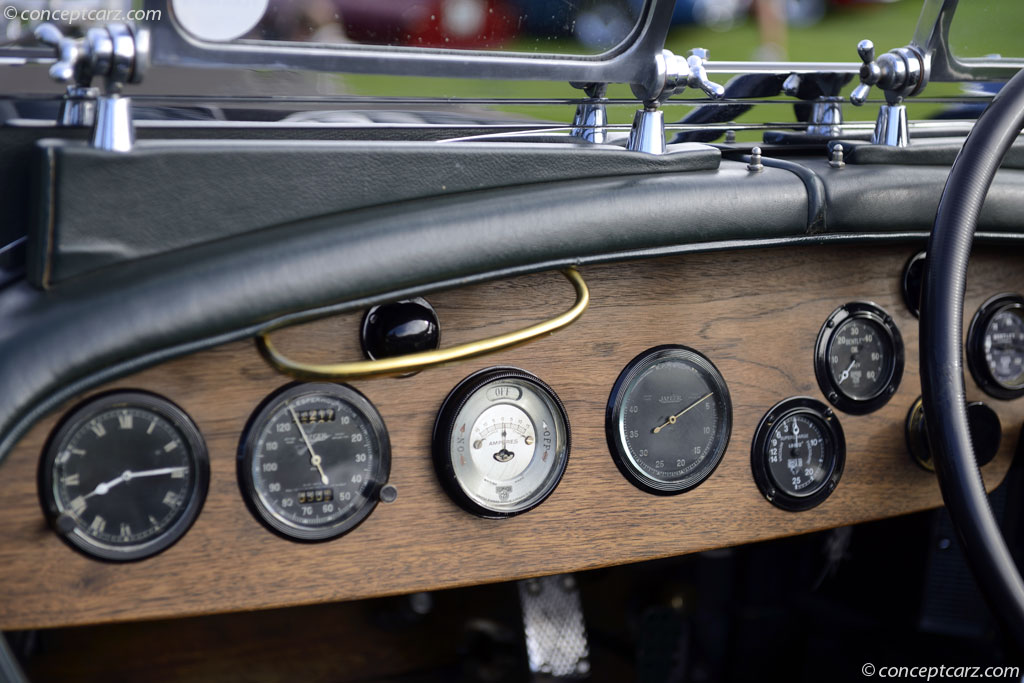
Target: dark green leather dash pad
x,y
98,208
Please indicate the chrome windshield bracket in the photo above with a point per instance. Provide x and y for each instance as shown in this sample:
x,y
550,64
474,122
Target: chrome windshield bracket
x,y
899,73
119,54
668,75
591,117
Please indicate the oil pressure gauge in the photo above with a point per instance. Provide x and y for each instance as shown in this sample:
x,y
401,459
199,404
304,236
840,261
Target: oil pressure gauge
x,y
501,442
858,359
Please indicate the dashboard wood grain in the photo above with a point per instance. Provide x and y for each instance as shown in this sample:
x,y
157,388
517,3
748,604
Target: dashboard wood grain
x,y
755,313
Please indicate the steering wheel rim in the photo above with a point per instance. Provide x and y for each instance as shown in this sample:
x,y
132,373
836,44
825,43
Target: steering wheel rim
x,y
942,372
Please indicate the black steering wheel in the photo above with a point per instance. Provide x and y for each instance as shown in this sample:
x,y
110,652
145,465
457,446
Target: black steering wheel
x,y
942,372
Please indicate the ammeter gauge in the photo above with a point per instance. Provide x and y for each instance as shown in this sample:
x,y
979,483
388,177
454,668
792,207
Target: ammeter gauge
x,y
501,442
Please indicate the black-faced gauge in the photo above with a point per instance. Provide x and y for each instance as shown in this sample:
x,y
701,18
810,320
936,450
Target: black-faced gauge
x,y
995,346
501,442
124,476
668,419
313,460
858,359
798,453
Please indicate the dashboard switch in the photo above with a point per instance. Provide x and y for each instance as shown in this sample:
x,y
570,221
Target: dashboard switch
x,y
400,328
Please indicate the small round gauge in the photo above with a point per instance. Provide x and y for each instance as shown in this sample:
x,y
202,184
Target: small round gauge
x,y
859,358
995,346
501,442
124,476
313,460
798,453
668,419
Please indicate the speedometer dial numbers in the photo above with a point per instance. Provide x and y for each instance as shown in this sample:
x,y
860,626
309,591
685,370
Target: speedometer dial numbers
x,y
501,442
995,346
859,358
313,460
798,454
668,419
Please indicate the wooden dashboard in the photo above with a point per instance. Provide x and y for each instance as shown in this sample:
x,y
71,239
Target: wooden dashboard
x,y
756,314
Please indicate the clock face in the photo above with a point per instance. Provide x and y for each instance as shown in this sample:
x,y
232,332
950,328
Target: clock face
x,y
124,476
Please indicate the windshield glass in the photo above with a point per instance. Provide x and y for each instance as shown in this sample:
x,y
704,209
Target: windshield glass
x,y
987,29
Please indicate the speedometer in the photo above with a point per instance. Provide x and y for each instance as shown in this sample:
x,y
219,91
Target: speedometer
x,y
313,460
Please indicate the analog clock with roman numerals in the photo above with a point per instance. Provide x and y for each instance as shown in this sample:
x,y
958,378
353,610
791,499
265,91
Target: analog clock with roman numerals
x,y
124,476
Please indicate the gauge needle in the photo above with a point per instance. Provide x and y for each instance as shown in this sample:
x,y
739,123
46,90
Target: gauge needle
x,y
103,487
846,372
672,420
313,457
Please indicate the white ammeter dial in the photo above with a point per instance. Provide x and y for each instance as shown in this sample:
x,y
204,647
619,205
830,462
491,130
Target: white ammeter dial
x,y
501,442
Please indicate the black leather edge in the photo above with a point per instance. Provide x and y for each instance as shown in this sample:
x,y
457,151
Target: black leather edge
x,y
906,197
96,326
922,151
101,208
93,328
817,206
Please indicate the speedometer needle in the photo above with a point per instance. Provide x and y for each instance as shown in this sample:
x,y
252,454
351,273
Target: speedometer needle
x,y
103,487
672,420
846,372
313,457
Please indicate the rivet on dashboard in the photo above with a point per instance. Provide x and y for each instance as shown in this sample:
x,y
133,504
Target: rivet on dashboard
x,y
837,157
755,165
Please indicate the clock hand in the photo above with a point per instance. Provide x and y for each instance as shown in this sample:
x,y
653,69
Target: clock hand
x,y
104,487
313,457
672,420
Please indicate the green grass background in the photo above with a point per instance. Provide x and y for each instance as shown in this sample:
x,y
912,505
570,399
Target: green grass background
x,y
986,26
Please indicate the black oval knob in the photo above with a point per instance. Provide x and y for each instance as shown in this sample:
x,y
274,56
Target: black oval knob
x,y
400,328
986,434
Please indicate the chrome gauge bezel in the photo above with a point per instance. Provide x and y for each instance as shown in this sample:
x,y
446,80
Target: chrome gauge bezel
x,y
863,310
444,448
78,418
975,350
614,419
787,408
261,418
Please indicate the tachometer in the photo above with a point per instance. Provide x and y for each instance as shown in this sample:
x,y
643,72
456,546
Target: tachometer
x,y
668,419
313,460
501,442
